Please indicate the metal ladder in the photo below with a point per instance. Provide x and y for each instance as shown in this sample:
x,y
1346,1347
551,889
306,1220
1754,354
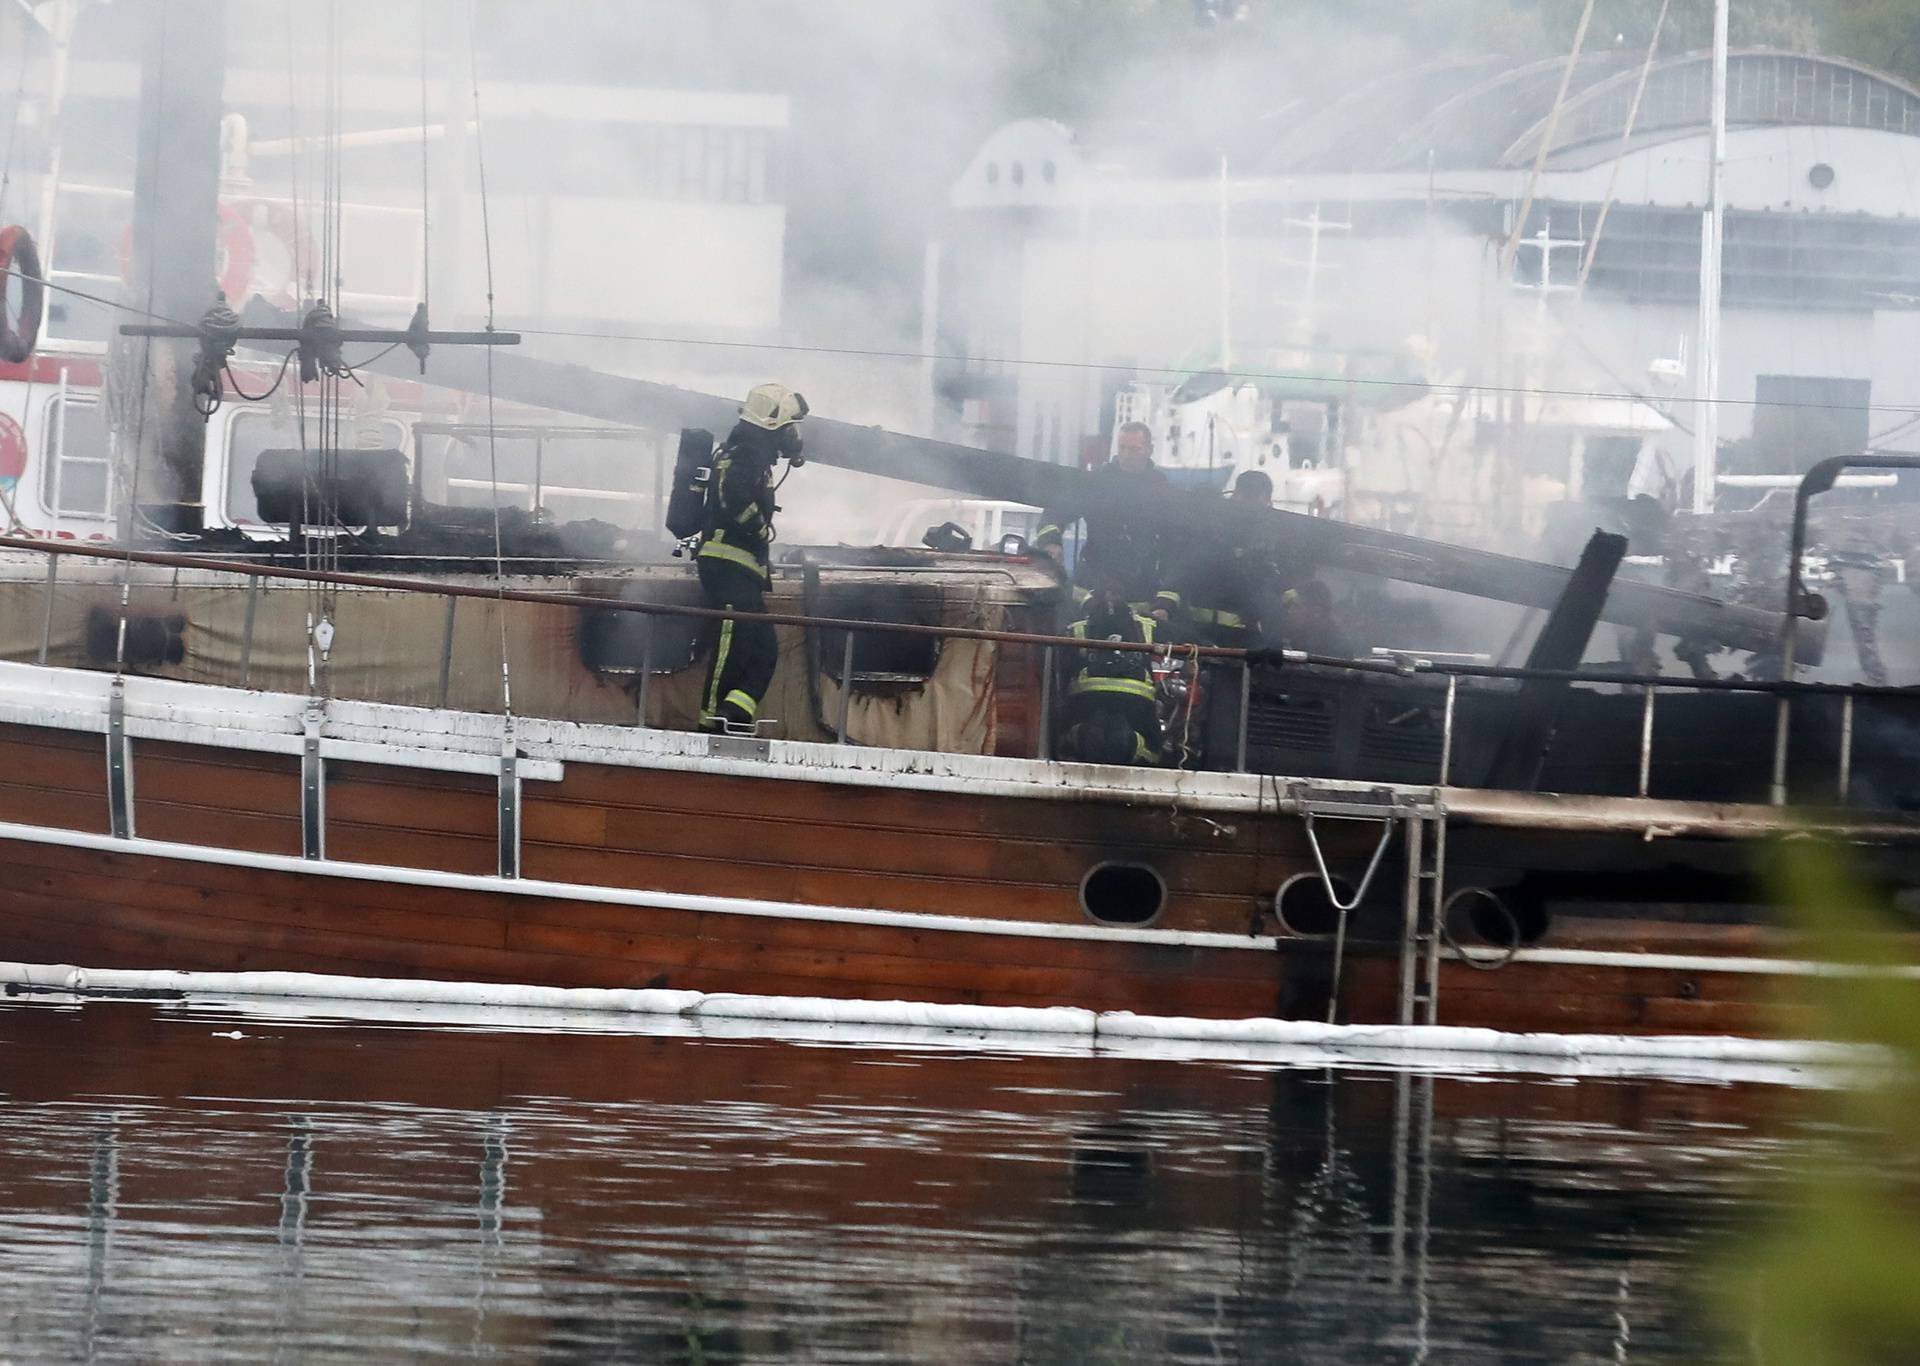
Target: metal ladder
x,y
1424,905
1424,821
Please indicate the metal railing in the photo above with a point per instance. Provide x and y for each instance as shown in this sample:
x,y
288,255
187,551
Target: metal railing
x,y
1404,665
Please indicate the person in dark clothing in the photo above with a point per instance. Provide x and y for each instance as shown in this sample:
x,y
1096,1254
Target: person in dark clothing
x,y
1111,714
1224,593
735,552
1221,593
1310,622
1122,547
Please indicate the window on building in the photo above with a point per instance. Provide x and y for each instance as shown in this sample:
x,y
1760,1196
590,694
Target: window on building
x,y
77,475
1802,419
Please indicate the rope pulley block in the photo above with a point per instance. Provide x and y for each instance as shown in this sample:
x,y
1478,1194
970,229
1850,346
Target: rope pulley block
x,y
20,260
219,334
417,337
320,344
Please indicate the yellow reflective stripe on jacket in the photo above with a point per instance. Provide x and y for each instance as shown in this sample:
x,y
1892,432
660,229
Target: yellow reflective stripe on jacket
x,y
1146,625
720,550
1126,687
1219,616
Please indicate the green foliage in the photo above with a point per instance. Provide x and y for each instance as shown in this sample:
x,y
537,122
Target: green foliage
x,y
1835,1283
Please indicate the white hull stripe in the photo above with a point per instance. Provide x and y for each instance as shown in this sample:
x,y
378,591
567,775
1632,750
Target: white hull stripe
x,y
620,896
1375,1041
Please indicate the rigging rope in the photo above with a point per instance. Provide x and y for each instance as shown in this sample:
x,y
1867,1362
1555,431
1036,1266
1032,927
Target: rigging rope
x,y
1626,135
1512,247
426,238
493,455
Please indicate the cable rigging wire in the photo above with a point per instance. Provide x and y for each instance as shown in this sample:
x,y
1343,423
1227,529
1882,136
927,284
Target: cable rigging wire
x,y
493,457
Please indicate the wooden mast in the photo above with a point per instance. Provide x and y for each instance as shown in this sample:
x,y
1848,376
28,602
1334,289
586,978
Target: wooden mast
x,y
162,446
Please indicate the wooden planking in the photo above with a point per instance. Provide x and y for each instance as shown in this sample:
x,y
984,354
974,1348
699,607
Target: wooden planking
x,y
412,799
853,886
264,927
231,799
1102,824
26,805
78,905
430,914
352,842
53,777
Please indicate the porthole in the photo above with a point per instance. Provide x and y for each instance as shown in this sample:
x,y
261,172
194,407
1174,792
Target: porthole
x,y
1018,174
1820,176
1123,893
1303,907
993,173
1048,173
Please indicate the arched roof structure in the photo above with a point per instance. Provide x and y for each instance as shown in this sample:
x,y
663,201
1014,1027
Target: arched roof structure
x,y
1483,113
1763,87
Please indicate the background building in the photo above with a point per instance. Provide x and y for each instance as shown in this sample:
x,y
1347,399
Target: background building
x,y
1406,220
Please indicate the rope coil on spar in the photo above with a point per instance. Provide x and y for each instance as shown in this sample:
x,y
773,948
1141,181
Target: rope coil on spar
x,y
20,258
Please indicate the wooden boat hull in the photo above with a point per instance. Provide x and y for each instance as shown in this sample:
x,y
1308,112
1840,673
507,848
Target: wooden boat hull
x,y
653,860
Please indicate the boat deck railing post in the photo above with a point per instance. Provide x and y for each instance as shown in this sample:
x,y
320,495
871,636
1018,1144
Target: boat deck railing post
x,y
313,788
46,625
1646,742
1043,744
246,632
646,668
1845,783
1246,712
846,689
119,764
1782,717
1446,730
1410,908
509,803
446,650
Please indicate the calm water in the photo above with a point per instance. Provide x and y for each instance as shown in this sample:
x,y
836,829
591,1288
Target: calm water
x,y
206,1184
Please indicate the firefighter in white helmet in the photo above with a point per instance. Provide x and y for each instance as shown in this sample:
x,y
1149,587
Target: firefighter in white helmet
x,y
735,551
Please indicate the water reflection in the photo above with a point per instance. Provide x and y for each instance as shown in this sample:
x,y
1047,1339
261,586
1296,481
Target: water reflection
x,y
179,1185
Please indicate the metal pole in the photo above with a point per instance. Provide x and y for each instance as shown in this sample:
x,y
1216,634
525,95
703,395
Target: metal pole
x,y
1446,731
1437,899
646,667
1846,747
1410,930
46,626
1706,439
1043,748
1781,715
1246,710
1646,742
846,688
246,633
446,651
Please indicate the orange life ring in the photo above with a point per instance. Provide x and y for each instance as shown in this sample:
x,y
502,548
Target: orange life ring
x,y
20,259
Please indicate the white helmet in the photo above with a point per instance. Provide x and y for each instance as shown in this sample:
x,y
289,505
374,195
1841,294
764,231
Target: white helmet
x,y
773,406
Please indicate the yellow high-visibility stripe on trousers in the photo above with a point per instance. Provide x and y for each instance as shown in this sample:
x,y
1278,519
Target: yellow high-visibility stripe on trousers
x,y
719,665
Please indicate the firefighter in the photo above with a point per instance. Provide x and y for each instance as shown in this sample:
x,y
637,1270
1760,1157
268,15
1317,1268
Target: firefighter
x,y
1125,546
1111,714
735,553
1224,593
1221,593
